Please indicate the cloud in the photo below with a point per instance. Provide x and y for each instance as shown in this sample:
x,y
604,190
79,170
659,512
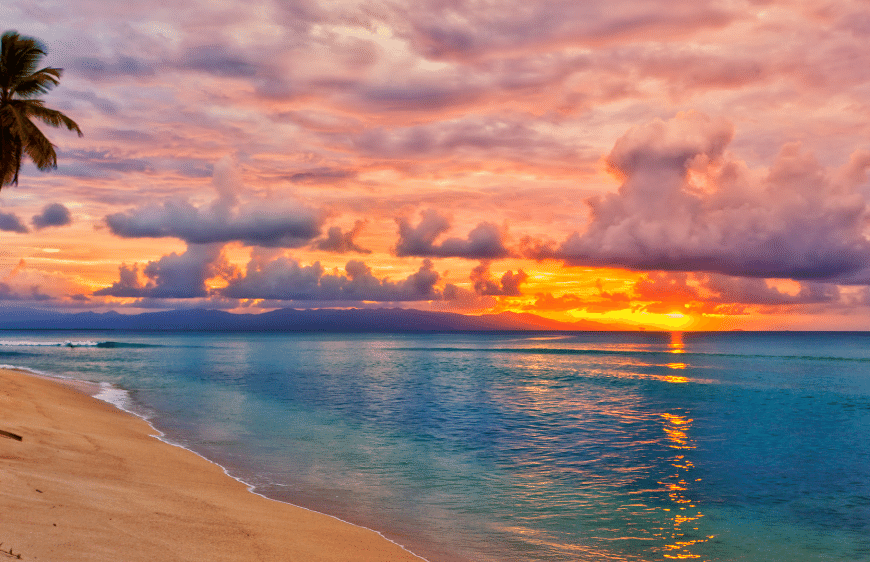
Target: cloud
x,y
27,284
172,276
508,285
256,225
744,290
103,105
8,293
484,242
53,214
283,278
218,60
9,222
342,242
664,292
267,276
449,30
547,301
22,264
89,163
99,69
469,140
687,205
323,175
260,223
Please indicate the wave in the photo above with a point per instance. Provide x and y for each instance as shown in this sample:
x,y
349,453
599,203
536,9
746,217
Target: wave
x,y
69,343
30,343
127,344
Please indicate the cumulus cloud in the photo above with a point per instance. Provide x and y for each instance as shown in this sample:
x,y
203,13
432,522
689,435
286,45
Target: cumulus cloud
x,y
484,242
685,204
283,278
172,276
9,222
53,214
260,223
268,276
342,242
508,285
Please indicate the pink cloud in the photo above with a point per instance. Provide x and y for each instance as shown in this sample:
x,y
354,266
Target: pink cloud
x,y
687,205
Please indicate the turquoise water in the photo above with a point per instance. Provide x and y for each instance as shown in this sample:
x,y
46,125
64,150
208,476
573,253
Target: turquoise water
x,y
507,447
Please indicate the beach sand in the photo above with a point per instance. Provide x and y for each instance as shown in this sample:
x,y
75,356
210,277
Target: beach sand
x,y
90,482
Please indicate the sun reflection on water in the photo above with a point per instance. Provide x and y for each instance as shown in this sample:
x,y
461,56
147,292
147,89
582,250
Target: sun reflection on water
x,y
676,345
683,511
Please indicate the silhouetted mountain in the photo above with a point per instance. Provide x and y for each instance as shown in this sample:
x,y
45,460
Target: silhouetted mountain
x,y
289,320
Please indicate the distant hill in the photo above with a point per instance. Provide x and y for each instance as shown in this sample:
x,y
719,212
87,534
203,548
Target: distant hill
x,y
290,320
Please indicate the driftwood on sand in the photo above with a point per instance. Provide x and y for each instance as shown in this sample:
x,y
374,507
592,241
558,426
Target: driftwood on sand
x,y
10,435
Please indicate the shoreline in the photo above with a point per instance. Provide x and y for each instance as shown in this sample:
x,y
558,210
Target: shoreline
x,y
118,488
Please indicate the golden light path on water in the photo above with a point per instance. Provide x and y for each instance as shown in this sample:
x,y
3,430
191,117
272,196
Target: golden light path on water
x,y
685,510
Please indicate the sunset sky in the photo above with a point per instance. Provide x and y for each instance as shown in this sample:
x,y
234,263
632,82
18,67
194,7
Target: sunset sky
x,y
682,164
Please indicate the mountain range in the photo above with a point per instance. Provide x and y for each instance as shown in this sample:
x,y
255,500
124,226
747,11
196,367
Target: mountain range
x,y
292,320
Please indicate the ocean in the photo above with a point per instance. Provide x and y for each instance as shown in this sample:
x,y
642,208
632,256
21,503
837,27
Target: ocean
x,y
616,446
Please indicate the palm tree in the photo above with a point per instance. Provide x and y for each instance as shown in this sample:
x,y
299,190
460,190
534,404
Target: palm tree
x,y
20,84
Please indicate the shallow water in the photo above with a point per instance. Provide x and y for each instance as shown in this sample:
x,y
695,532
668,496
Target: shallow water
x,y
509,447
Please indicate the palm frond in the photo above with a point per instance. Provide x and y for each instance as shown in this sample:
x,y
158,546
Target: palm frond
x,y
7,119
21,56
53,117
36,145
38,83
20,84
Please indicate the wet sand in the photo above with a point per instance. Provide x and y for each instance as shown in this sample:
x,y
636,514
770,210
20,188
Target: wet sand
x,y
89,482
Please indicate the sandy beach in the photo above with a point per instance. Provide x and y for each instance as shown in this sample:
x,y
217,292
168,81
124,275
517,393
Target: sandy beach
x,y
89,482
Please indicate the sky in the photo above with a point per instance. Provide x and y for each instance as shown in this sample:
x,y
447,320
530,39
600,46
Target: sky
x,y
673,165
